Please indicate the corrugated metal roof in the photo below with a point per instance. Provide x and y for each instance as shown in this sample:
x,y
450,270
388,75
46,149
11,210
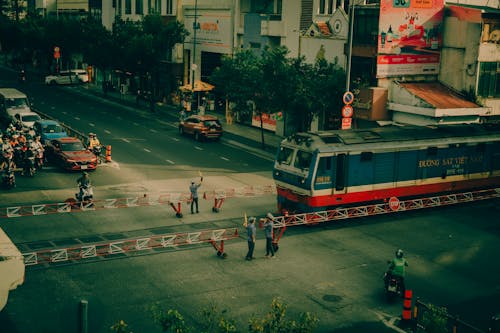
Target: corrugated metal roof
x,y
324,28
438,95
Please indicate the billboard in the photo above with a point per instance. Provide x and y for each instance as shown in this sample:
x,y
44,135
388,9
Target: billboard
x,y
214,29
409,37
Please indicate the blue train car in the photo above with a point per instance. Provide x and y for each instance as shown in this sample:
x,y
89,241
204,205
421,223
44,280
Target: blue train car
x,y
323,170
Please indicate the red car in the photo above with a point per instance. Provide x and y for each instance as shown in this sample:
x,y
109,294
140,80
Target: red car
x,y
70,153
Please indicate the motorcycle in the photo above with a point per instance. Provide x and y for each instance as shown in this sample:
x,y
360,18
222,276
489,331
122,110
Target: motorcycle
x,y
85,193
97,150
9,179
29,166
39,159
392,286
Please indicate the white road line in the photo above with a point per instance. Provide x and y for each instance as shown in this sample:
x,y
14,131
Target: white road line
x,y
224,158
91,124
76,118
135,124
171,162
107,132
175,139
199,148
147,150
127,141
153,130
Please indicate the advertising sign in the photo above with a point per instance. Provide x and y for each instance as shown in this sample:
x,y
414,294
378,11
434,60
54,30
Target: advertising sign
x,y
409,39
268,120
214,29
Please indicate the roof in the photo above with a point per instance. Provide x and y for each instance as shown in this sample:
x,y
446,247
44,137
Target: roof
x,y
47,122
324,28
12,93
438,95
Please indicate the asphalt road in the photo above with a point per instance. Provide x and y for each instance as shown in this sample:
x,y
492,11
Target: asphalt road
x,y
331,270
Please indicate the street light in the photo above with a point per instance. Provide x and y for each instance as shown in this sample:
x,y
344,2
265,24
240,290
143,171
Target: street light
x,y
195,27
349,58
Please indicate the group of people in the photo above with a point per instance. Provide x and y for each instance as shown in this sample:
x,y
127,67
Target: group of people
x,y
252,233
18,146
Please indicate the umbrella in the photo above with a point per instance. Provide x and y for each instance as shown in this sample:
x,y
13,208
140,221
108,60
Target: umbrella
x,y
198,86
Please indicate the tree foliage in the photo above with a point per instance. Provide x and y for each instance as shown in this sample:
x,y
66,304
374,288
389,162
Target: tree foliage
x,y
274,82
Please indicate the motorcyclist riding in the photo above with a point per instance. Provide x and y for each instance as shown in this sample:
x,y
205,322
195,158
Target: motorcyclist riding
x,y
93,141
397,269
83,183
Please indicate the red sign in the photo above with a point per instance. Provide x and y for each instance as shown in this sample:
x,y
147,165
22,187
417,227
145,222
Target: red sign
x,y
346,123
394,204
348,97
347,111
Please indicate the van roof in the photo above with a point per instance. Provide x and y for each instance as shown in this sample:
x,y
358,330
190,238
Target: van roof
x,y
12,93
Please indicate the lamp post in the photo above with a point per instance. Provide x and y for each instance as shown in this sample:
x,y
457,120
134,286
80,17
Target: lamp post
x,y
195,27
349,58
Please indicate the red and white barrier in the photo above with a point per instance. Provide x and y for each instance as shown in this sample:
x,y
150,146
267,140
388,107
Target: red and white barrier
x,y
220,195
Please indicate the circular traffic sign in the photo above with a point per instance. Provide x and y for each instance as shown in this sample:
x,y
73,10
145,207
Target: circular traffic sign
x,y
394,204
347,111
348,97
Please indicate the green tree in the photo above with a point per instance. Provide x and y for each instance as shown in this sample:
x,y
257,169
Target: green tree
x,y
169,320
435,319
214,320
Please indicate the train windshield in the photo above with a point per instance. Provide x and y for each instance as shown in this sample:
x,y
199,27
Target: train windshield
x,y
285,156
303,160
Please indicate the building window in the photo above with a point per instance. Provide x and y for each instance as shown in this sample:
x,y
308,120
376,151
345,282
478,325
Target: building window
x,y
139,7
169,7
330,7
338,4
322,6
128,7
489,80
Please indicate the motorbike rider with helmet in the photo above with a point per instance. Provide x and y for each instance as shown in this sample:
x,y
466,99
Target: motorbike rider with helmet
x,y
93,141
397,269
83,183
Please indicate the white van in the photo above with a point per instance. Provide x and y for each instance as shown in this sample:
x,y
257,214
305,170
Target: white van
x,y
12,101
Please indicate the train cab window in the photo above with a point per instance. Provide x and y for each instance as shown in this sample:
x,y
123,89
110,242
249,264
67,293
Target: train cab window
x,y
285,156
303,160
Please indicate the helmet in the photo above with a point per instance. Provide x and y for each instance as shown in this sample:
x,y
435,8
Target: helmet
x,y
91,134
399,253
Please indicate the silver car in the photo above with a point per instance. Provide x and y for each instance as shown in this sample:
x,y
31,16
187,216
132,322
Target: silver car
x,y
74,76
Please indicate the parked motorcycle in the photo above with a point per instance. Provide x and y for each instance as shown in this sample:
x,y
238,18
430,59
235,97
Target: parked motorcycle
x,y
85,193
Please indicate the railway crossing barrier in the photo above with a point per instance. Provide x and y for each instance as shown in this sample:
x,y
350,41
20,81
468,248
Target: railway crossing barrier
x,y
387,207
141,245
220,195
174,200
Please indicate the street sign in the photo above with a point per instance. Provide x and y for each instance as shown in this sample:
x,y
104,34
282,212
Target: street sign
x,y
348,97
394,204
346,123
347,111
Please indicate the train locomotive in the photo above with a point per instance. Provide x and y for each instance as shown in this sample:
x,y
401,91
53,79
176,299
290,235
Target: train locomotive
x,y
330,169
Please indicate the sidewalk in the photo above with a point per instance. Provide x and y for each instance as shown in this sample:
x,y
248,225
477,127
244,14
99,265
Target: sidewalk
x,y
248,135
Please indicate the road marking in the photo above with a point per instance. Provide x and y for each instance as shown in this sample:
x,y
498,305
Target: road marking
x,y
135,124
76,118
153,130
107,132
175,139
171,162
91,124
224,158
127,141
199,148
147,150
119,118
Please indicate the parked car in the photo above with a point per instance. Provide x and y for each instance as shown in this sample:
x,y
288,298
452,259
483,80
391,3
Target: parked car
x,y
27,119
74,76
70,154
202,127
49,129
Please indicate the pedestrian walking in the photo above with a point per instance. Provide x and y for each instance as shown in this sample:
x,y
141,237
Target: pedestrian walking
x,y
193,188
268,228
251,232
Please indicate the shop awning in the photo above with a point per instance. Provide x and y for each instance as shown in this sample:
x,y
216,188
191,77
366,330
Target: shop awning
x,y
198,86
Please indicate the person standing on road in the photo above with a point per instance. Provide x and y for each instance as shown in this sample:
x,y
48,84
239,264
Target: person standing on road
x,y
251,232
193,188
268,228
